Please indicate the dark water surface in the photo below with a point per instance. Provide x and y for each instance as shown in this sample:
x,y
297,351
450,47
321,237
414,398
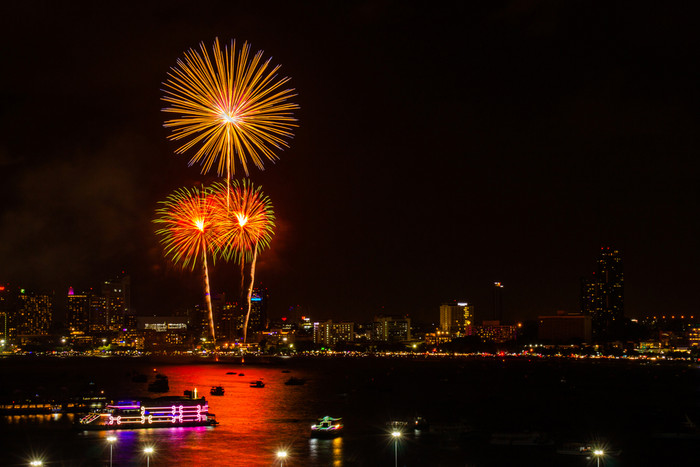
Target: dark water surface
x,y
641,409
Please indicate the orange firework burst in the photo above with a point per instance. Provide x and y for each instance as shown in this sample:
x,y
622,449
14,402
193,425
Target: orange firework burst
x,y
189,232
244,217
233,107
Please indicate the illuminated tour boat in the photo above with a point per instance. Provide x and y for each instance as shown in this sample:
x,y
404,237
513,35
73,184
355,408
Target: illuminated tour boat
x,y
327,427
152,413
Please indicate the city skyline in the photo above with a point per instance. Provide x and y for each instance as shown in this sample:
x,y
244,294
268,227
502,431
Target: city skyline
x,y
439,151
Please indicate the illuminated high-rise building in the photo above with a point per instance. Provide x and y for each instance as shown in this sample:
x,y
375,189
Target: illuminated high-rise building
x,y
498,301
224,317
99,317
117,294
391,328
78,312
258,310
33,314
602,295
457,318
7,300
330,333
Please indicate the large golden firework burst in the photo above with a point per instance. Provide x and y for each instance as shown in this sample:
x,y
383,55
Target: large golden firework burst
x,y
232,108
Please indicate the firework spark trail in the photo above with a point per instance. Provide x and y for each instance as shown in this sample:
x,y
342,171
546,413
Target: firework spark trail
x,y
189,232
250,292
246,227
233,107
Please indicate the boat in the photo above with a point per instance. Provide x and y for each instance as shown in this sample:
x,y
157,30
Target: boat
x,y
162,412
230,372
586,449
575,449
217,391
257,384
241,374
160,384
420,424
327,427
295,381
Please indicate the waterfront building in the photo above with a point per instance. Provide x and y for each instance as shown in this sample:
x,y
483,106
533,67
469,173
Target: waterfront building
x,y
224,317
33,315
117,295
7,305
391,328
497,301
564,328
258,311
3,326
494,331
330,333
693,336
457,318
78,312
279,336
438,337
162,332
602,295
99,317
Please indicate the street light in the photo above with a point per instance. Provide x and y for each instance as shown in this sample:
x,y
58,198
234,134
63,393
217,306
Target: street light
x,y
598,453
36,462
111,440
282,455
396,435
148,451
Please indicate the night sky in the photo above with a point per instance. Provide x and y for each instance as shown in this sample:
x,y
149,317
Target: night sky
x,y
439,150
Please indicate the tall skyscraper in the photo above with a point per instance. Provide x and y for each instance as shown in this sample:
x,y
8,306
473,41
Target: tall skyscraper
x,y
498,301
117,294
602,295
258,310
7,306
78,315
99,318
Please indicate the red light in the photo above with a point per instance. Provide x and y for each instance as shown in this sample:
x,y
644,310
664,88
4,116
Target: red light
x,y
284,319
2,287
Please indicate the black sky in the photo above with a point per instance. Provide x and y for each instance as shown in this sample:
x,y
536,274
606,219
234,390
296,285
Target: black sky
x,y
441,147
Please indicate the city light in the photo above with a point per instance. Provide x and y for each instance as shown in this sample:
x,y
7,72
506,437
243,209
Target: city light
x,y
598,453
148,451
396,435
111,440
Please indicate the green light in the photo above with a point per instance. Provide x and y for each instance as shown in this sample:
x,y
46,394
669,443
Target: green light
x,y
21,291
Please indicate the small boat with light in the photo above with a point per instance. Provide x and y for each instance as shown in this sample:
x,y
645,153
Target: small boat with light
x,y
327,427
257,384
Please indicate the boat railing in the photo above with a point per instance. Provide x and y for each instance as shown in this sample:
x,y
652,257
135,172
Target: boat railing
x,y
89,418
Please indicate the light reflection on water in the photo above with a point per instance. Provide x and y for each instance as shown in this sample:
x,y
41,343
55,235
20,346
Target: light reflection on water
x,y
474,397
254,422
